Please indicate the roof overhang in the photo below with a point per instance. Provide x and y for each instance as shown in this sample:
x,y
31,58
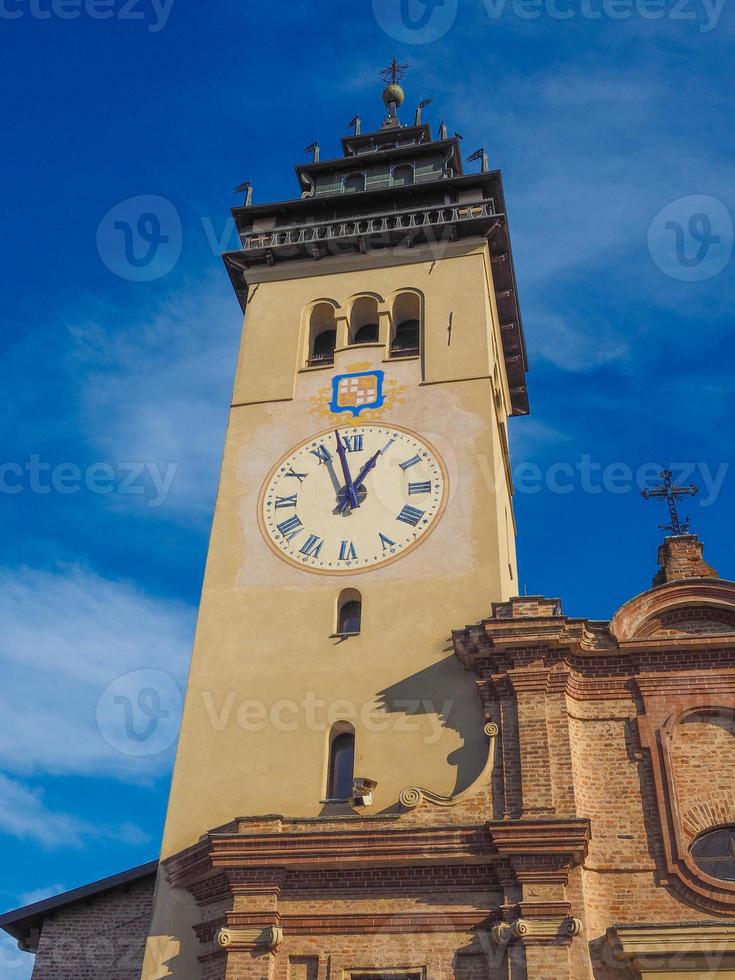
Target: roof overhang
x,y
25,924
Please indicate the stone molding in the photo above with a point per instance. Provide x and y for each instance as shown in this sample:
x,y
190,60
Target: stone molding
x,y
538,624
413,796
630,620
657,726
652,949
270,855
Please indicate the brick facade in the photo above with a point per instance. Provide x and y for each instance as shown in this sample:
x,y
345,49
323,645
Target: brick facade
x,y
612,749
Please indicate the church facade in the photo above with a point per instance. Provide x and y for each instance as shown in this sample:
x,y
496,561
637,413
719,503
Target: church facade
x,y
367,787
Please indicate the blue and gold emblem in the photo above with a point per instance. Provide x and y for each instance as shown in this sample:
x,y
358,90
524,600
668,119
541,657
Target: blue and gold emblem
x,y
356,392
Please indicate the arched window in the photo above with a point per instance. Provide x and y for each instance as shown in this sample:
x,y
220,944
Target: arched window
x,y
349,612
406,340
364,321
341,763
353,183
322,335
714,853
403,175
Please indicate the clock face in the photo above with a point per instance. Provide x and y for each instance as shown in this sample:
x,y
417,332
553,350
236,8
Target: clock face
x,y
353,498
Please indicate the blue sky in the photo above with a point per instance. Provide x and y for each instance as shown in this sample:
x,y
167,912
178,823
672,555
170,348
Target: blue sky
x,y
612,123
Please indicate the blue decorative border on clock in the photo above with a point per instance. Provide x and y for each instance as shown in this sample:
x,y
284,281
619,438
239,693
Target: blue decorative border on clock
x,y
357,391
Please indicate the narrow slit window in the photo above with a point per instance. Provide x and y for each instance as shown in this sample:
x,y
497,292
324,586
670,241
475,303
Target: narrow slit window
x,y
349,613
341,766
350,617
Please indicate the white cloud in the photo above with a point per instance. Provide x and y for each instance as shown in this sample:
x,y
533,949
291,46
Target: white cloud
x,y
156,388
67,635
25,815
39,895
14,964
589,159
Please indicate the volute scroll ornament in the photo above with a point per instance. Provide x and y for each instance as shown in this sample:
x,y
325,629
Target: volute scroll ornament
x,y
266,939
413,796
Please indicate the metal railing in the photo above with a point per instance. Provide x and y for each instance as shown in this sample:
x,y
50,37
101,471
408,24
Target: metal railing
x,y
321,360
400,351
410,219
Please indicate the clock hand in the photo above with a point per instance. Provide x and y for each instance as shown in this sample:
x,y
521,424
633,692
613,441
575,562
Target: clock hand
x,y
351,497
360,477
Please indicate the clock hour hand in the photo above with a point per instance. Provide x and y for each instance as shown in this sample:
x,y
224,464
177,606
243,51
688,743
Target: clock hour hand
x,y
351,497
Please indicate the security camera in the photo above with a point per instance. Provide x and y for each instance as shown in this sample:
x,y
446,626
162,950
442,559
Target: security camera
x,y
362,789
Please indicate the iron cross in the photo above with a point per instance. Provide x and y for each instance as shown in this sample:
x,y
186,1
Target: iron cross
x,y
394,72
670,491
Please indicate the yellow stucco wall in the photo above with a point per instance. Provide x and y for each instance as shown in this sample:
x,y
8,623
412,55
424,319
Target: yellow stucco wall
x,y
267,678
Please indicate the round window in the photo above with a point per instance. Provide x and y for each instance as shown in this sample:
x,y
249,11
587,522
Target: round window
x,y
714,853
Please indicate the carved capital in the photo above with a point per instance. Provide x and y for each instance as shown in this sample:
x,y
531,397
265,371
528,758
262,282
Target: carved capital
x,y
550,929
242,939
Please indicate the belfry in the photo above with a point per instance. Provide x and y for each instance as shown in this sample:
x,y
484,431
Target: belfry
x,y
367,787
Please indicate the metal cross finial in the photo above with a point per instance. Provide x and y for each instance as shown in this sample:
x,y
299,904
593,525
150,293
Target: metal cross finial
x,y
247,188
394,72
670,492
480,155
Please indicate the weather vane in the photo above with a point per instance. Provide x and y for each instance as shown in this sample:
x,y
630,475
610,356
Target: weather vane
x,y
670,491
394,72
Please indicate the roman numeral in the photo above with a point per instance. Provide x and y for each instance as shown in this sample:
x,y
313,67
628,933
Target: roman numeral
x,y
290,528
285,502
386,542
420,487
322,454
312,546
353,444
407,464
347,551
299,476
410,515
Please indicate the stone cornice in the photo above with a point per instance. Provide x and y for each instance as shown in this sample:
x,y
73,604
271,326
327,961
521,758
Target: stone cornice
x,y
527,628
540,850
328,848
685,939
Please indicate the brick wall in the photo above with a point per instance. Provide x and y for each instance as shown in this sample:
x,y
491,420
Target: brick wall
x,y
102,938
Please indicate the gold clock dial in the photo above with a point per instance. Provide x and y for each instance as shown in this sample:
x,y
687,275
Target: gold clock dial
x,y
352,499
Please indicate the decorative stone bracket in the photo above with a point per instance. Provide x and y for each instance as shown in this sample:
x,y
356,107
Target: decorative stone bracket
x,y
245,939
537,930
414,796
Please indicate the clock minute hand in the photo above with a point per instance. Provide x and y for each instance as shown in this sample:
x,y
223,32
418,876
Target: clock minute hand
x,y
351,498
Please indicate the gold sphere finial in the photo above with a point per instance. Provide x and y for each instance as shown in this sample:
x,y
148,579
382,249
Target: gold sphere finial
x,y
394,93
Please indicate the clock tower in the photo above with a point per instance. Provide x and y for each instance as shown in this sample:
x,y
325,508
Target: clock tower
x,y
364,511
